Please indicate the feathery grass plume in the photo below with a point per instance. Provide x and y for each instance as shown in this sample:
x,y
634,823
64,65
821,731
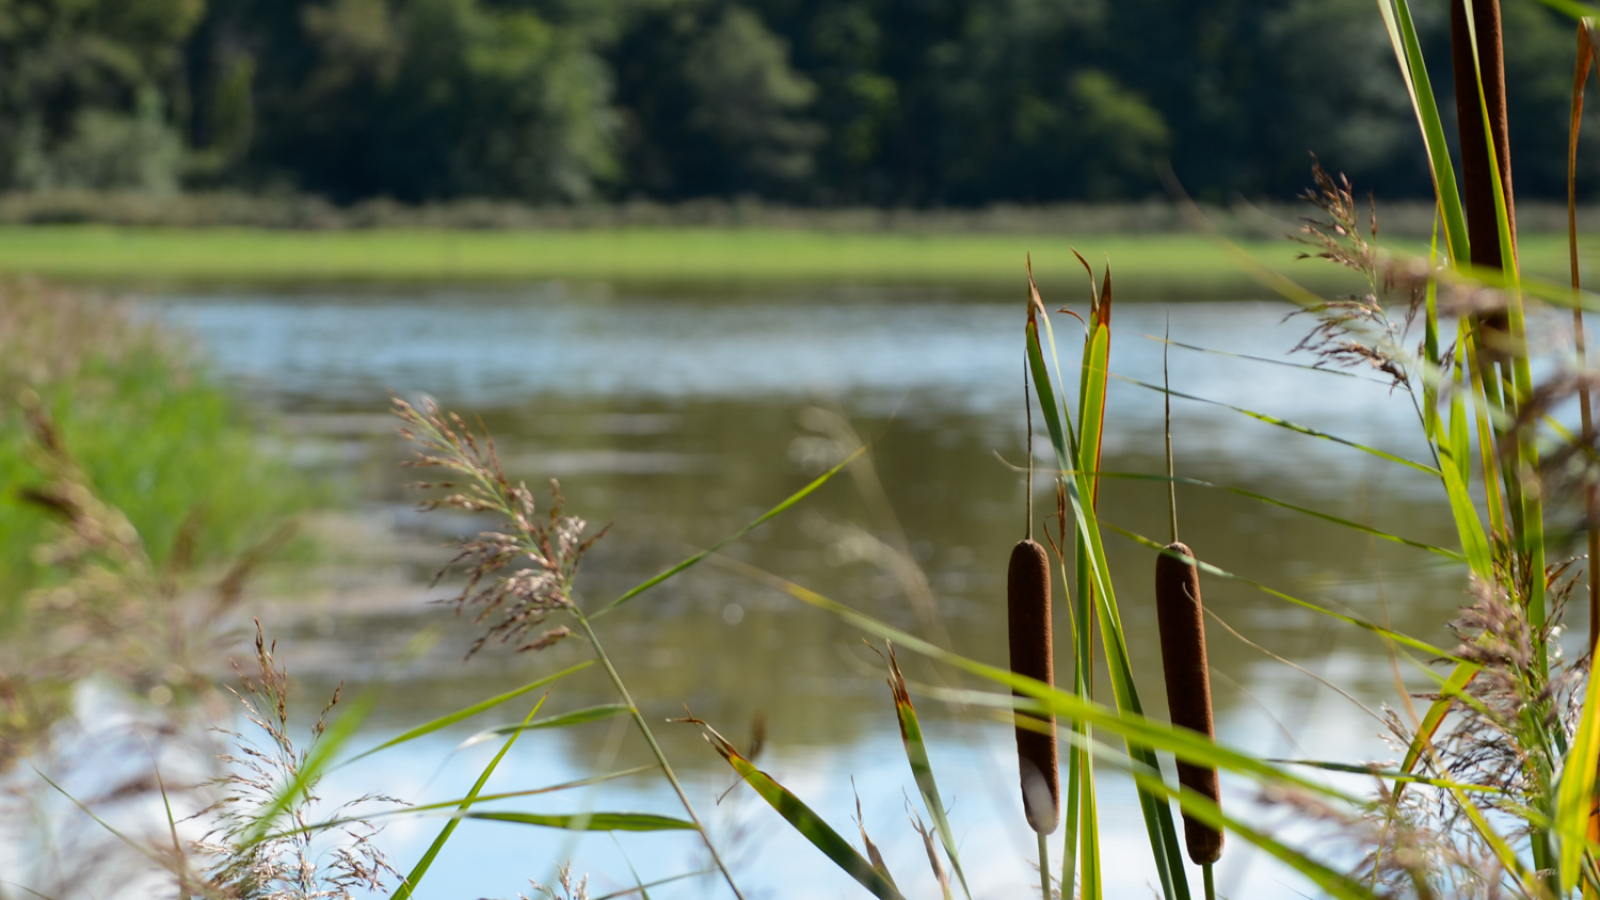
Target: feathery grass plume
x,y
292,866
1354,329
529,564
1028,607
1183,657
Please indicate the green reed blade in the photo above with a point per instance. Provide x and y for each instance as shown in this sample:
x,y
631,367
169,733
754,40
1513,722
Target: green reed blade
x,y
1158,816
639,889
1573,8
1507,857
600,821
409,885
1414,70
562,720
1575,794
922,767
467,712
1284,423
804,820
762,519
1391,775
1089,834
1284,504
1083,814
1210,569
1525,456
1199,806
464,802
1463,673
1465,515
1286,363
1131,727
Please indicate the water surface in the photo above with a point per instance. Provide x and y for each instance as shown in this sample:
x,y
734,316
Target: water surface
x,y
677,420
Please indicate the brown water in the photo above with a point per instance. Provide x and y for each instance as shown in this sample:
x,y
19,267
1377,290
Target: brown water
x,y
678,420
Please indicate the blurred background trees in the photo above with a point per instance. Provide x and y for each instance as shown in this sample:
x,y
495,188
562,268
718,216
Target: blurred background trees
x,y
890,102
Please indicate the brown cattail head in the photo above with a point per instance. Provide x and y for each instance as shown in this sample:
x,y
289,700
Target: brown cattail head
x,y
1183,656
1028,596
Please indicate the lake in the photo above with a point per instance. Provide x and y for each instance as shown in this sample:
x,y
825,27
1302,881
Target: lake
x,y
676,419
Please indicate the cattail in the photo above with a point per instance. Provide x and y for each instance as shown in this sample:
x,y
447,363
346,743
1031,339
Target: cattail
x,y
1028,596
1183,655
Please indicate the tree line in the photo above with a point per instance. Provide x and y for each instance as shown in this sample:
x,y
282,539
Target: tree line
x,y
827,102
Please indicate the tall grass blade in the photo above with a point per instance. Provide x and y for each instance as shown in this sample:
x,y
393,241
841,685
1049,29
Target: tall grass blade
x,y
1573,8
1414,71
1159,823
921,767
1284,504
1199,807
1129,726
562,720
600,821
418,871
803,820
755,523
1386,633
1284,423
468,712
1575,794
463,802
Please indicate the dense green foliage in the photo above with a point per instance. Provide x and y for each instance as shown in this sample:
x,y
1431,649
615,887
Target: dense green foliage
x,y
808,101
154,436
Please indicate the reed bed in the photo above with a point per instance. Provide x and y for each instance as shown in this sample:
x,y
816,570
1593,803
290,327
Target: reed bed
x,y
1495,795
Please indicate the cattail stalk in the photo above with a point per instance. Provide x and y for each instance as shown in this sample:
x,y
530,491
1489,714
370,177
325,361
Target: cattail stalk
x,y
1028,607
1183,656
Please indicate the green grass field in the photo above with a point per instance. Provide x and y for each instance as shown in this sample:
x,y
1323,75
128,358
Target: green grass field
x,y
1156,264
1153,265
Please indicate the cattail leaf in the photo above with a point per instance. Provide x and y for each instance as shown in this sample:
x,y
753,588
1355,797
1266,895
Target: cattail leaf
x,y
922,767
1414,72
1132,728
468,712
562,720
1129,726
802,819
1575,795
1091,882
1522,448
598,821
1572,8
1159,823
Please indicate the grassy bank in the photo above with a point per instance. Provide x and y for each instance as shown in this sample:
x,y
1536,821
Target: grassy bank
x,y
155,436
1152,265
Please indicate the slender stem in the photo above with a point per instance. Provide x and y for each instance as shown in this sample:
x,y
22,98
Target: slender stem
x,y
1027,406
1166,396
655,748
1211,886
1044,866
